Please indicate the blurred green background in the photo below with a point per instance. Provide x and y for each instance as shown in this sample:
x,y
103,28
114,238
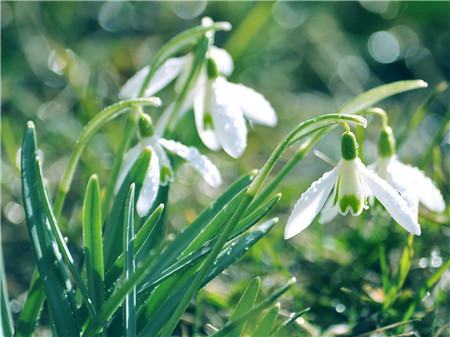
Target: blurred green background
x,y
62,62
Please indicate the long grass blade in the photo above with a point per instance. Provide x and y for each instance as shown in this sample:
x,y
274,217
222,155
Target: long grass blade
x,y
6,328
265,325
93,243
129,267
51,266
245,303
32,308
370,97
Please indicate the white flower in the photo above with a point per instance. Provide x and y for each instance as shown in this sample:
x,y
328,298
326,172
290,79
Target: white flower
x,y
352,183
159,171
219,106
411,182
413,185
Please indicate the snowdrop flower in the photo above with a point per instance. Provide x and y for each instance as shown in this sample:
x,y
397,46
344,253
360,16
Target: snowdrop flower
x,y
160,171
409,181
352,183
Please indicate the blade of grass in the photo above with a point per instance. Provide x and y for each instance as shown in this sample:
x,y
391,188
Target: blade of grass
x,y
292,318
245,303
32,308
256,310
6,328
370,97
129,267
50,264
93,243
115,270
264,327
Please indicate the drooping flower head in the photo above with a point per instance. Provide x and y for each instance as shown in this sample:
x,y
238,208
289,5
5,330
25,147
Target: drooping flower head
x,y
219,106
160,171
345,189
409,181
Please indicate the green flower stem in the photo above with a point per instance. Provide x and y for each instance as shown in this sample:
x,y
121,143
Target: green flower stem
x,y
91,128
378,112
302,130
287,168
129,127
197,64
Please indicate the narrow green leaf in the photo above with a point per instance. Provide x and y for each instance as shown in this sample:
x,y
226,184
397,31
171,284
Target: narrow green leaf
x,y
197,65
129,268
245,303
141,236
265,325
93,243
113,231
32,308
152,323
58,288
370,97
6,328
292,318
256,310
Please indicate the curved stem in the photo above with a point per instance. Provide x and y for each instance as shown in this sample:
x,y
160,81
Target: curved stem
x,y
378,112
91,128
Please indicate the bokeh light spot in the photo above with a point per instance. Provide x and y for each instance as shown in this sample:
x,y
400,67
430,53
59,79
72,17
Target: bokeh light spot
x,y
384,47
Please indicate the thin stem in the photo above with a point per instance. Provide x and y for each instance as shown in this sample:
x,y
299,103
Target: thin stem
x,y
378,112
130,124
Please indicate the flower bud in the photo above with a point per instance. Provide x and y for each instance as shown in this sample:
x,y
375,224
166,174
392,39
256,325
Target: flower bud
x,y
349,146
212,69
145,126
386,143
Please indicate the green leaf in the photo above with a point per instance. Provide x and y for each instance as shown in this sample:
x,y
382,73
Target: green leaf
x,y
151,324
264,327
51,266
32,308
113,231
245,303
129,267
93,243
368,98
184,40
256,310
6,328
292,318
141,236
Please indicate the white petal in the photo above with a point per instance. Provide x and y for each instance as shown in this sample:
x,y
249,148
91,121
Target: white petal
x,y
201,163
391,200
162,121
223,60
228,120
417,183
150,186
128,160
165,74
132,87
201,102
330,210
310,203
164,162
254,105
